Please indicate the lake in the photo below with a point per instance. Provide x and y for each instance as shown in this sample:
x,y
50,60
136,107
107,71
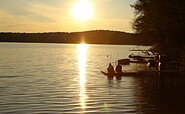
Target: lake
x,y
66,78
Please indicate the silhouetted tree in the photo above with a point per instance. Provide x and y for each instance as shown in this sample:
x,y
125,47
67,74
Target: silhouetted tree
x,y
161,22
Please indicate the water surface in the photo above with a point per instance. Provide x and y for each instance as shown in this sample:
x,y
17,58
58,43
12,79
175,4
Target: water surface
x,y
66,78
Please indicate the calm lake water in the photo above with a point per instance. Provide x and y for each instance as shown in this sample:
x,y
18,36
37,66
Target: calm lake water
x,y
61,78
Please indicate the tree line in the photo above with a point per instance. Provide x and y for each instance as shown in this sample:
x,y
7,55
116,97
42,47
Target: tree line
x,y
90,37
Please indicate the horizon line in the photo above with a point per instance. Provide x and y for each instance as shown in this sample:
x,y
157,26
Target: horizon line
x,y
68,32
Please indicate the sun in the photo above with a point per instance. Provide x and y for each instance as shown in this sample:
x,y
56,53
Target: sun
x,y
83,10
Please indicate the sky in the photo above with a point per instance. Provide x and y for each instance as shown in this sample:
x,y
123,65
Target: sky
x,y
58,15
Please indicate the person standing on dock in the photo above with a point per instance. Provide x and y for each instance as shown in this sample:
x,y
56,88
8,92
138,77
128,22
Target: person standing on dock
x,y
118,68
110,68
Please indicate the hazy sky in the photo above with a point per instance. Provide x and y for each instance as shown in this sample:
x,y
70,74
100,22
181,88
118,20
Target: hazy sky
x,y
56,16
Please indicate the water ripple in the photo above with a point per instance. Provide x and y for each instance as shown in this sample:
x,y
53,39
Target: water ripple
x,y
9,76
47,80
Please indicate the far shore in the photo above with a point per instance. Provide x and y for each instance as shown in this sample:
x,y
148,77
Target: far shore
x,y
105,37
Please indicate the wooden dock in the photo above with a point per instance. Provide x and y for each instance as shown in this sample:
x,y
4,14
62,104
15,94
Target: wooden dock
x,y
140,73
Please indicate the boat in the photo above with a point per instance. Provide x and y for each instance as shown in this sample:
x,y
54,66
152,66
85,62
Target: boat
x,y
145,54
124,73
124,61
139,57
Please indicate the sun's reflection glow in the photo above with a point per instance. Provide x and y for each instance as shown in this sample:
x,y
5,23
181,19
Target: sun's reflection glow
x,y
82,51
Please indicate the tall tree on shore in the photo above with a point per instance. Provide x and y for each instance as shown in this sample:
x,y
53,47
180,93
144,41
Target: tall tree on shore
x,y
162,23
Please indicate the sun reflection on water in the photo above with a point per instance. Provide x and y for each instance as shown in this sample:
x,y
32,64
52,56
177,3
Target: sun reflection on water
x,y
82,51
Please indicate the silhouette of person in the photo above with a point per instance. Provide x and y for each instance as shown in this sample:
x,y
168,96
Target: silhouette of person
x,y
110,68
118,68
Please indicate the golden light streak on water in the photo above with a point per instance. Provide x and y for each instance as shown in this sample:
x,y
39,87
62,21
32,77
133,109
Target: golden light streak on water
x,y
82,51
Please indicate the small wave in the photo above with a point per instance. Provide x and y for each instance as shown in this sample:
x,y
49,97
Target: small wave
x,y
9,76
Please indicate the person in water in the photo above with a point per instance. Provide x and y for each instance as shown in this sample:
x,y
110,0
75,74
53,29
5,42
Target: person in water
x,y
110,68
118,68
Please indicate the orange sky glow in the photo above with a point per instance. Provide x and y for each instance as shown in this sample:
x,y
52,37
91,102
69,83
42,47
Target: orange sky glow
x,y
65,15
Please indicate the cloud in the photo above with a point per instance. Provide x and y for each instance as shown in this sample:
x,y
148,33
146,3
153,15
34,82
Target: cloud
x,y
15,23
16,7
32,15
38,10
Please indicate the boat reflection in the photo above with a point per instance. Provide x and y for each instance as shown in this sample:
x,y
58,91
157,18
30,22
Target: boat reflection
x,y
82,51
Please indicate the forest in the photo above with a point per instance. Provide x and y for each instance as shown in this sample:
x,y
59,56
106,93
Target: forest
x,y
89,37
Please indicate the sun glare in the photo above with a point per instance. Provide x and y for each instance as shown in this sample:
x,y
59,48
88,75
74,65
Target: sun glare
x,y
82,51
82,48
83,10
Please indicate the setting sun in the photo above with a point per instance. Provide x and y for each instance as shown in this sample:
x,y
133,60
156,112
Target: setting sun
x,y
83,10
